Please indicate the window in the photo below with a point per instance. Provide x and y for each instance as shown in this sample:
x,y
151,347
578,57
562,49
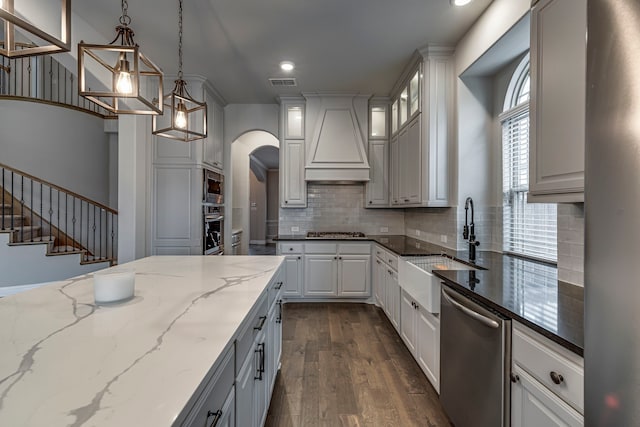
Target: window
x,y
528,229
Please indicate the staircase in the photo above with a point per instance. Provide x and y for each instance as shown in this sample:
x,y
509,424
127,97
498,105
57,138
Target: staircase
x,y
48,233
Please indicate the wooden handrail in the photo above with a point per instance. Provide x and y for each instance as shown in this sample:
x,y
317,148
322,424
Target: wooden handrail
x,y
57,187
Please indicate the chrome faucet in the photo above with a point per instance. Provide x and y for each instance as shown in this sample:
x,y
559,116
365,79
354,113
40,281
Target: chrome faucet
x,y
469,230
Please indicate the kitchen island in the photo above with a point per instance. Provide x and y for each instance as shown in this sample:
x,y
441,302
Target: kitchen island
x,y
65,361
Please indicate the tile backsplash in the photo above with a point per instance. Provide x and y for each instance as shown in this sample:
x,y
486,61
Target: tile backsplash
x,y
571,243
335,207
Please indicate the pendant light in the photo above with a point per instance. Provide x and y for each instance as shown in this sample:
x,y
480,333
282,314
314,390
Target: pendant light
x,y
23,36
134,81
186,118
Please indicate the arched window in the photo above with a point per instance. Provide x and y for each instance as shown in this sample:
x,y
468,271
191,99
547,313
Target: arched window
x,y
528,229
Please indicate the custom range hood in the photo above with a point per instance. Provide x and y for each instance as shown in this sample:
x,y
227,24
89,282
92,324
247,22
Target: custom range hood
x,y
336,129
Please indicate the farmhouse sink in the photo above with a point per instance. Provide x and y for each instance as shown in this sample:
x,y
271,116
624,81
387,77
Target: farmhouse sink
x,y
416,278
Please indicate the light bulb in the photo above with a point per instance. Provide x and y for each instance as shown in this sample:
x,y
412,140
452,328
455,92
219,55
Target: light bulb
x,y
287,66
181,116
124,85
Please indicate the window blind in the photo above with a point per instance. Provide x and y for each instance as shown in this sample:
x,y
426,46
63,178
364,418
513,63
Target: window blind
x,y
528,229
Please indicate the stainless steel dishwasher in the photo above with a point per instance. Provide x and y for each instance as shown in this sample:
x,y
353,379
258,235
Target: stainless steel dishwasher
x,y
475,359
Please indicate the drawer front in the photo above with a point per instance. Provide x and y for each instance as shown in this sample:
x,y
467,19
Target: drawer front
x,y
321,248
291,248
559,370
275,287
215,394
250,331
392,260
354,249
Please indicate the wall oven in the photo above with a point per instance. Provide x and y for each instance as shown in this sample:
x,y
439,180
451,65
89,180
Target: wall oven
x,y
213,188
213,229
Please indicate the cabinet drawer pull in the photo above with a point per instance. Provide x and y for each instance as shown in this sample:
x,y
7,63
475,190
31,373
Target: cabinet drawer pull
x,y
390,261
279,286
216,417
390,272
279,319
556,377
262,320
260,370
378,261
515,378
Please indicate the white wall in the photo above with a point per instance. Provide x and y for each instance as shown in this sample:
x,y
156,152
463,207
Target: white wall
x,y
240,151
66,147
238,120
258,209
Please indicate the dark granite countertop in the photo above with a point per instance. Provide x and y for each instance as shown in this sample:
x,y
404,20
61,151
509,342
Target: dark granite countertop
x,y
523,290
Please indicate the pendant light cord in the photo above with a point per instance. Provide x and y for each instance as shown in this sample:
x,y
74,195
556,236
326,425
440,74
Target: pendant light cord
x,y
125,19
123,31
180,40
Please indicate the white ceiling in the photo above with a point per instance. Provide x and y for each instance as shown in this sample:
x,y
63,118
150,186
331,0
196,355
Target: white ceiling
x,y
337,45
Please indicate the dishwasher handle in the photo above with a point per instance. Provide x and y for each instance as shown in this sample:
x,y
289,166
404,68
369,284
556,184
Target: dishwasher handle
x,y
477,316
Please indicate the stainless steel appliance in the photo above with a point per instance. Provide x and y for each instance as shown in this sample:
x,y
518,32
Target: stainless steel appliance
x,y
475,354
213,188
612,214
236,239
213,230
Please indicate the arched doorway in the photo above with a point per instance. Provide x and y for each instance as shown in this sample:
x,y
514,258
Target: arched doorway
x,y
250,152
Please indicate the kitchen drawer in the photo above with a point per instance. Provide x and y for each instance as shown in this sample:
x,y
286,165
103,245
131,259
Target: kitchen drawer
x,y
380,253
250,330
354,249
392,260
321,248
215,394
276,289
291,248
540,357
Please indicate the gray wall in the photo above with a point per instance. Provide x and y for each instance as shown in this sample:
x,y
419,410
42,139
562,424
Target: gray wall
x,y
66,147
257,208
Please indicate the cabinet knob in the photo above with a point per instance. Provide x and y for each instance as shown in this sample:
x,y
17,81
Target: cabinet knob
x,y
286,201
556,377
339,257
514,378
370,202
298,257
406,200
290,249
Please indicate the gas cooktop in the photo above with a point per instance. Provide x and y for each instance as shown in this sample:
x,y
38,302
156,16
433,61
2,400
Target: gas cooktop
x,y
337,235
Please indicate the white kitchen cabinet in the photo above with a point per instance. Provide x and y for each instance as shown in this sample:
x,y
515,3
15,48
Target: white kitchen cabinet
x,y
394,173
420,160
213,144
294,275
420,330
547,382
337,270
392,300
274,338
428,345
558,101
533,405
293,187
408,321
245,385
354,275
379,282
377,188
321,275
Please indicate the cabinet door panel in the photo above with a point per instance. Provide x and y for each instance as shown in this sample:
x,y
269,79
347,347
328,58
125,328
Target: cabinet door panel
x,y
558,96
320,275
407,322
393,298
355,276
413,164
533,405
395,171
293,275
428,346
403,166
378,185
379,283
295,187
245,385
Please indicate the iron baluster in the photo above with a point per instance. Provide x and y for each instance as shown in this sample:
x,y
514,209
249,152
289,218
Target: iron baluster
x,y
22,208
50,211
73,223
100,235
3,190
31,209
66,222
41,217
94,232
13,198
84,254
58,203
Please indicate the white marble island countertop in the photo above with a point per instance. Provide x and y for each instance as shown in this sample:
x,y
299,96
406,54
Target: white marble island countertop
x,y
65,361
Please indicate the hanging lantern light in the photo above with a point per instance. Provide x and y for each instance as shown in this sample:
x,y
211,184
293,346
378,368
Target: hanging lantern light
x,y
24,35
186,118
135,82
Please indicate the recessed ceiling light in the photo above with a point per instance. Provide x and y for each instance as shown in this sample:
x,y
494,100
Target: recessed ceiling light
x,y
287,66
460,2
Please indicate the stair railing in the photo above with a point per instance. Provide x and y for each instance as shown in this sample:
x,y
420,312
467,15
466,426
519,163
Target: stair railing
x,y
67,220
43,79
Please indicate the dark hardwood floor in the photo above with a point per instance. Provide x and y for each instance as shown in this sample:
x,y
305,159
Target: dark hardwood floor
x,y
344,365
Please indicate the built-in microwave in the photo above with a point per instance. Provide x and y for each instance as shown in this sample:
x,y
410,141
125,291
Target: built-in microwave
x,y
213,188
213,230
